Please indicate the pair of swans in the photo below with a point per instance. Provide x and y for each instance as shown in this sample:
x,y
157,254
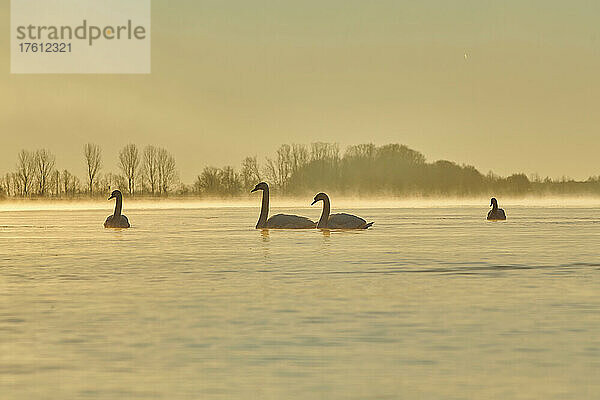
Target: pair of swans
x,y
327,221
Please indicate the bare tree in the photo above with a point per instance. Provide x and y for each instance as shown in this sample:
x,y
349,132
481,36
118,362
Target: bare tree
x,y
56,182
25,171
218,182
299,157
8,183
70,183
76,186
66,181
361,151
230,181
167,172
284,164
270,172
208,181
112,181
250,174
279,170
17,184
129,161
320,151
44,166
150,167
93,158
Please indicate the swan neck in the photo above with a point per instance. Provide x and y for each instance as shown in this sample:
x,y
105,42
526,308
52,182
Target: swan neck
x,y
264,209
118,206
325,214
494,206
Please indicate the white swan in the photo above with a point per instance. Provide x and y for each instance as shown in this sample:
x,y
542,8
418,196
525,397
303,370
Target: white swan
x,y
117,220
279,221
496,214
338,221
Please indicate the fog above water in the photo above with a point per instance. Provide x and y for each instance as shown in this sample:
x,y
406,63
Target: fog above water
x,y
277,204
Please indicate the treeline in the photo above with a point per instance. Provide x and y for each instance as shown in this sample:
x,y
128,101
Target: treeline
x,y
296,169
151,171
369,170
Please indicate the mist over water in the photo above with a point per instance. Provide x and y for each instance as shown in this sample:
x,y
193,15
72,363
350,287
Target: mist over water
x,y
297,202
192,302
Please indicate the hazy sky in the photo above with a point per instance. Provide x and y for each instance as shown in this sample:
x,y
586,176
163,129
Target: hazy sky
x,y
509,86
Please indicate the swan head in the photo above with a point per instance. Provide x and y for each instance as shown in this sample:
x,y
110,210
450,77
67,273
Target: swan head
x,y
494,202
260,186
320,197
115,194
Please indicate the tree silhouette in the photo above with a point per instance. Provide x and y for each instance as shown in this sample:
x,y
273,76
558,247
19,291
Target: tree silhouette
x,y
93,158
150,167
250,173
294,169
44,167
167,172
129,161
25,171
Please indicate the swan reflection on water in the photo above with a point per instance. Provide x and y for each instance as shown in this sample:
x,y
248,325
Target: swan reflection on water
x,y
265,235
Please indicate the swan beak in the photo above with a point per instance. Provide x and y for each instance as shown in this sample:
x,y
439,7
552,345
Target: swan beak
x,y
314,201
253,190
111,197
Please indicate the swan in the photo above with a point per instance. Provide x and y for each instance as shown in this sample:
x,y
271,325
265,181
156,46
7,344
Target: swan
x,y
338,221
117,220
279,221
496,214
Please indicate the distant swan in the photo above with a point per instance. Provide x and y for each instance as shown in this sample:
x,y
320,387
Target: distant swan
x,y
279,221
496,214
117,220
338,221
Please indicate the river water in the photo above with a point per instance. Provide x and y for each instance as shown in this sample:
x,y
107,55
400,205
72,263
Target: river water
x,y
190,303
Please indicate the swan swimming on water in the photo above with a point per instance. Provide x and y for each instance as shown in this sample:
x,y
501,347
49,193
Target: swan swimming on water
x,y
338,221
496,214
117,220
279,221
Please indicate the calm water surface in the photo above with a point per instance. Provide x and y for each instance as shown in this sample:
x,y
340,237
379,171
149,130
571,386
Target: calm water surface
x,y
433,303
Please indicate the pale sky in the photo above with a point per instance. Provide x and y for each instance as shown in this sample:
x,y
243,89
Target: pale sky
x,y
507,86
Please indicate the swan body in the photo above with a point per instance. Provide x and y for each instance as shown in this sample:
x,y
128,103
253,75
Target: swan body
x,y
117,220
279,221
285,221
338,221
120,222
496,214
347,221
